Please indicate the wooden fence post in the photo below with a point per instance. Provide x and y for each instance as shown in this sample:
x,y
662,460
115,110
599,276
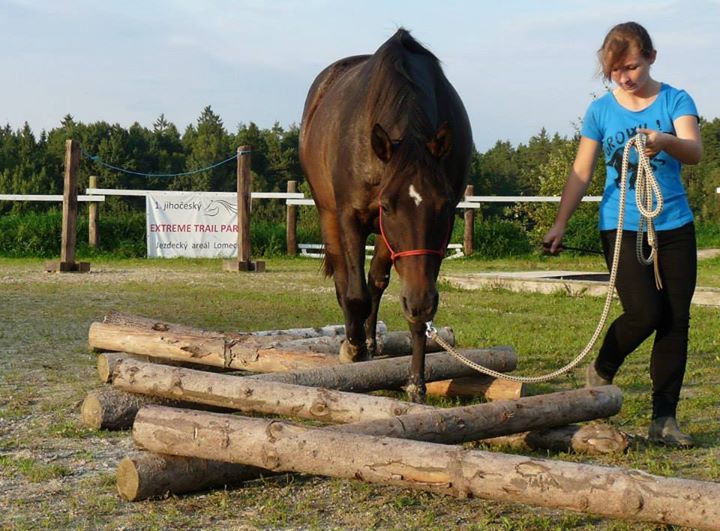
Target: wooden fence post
x,y
291,226
244,179
469,224
68,237
93,234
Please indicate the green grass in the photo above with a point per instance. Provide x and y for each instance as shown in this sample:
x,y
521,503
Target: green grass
x,y
60,472
34,471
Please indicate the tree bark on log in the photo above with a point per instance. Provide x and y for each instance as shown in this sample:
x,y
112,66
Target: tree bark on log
x,y
326,339
471,424
468,423
108,408
256,396
156,325
358,377
390,344
591,439
257,354
146,323
250,353
113,409
282,447
107,361
474,386
400,343
145,475
321,340
392,373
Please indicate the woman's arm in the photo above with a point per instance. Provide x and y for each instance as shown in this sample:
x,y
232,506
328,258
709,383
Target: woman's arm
x,y
577,184
685,145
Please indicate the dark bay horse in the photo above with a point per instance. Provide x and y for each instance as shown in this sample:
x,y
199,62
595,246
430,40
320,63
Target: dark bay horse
x,y
385,144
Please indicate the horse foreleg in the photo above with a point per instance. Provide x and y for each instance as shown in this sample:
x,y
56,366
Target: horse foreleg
x,y
356,299
416,382
378,280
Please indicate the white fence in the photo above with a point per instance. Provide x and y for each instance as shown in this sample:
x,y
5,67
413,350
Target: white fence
x,y
475,201
58,197
293,199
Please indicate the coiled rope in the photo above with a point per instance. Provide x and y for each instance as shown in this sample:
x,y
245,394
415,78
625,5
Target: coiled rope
x,y
647,192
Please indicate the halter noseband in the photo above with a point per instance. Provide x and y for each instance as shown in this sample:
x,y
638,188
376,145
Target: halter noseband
x,y
414,252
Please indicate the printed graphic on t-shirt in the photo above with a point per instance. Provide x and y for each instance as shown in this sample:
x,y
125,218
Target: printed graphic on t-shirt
x,y
614,147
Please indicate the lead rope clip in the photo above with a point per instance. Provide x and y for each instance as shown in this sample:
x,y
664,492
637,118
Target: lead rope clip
x,y
430,330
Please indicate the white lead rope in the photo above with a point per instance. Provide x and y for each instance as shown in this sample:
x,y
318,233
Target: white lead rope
x,y
647,192
646,188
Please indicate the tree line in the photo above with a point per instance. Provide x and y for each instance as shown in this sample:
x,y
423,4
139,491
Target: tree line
x,y
31,164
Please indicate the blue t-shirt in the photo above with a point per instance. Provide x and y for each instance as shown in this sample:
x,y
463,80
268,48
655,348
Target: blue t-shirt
x,y
612,125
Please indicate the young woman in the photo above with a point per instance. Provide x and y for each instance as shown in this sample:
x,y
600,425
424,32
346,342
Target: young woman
x,y
640,104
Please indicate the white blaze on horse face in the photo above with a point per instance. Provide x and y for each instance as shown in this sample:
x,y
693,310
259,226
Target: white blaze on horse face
x,y
415,195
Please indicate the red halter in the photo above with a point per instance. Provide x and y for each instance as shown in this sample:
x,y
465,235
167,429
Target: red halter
x,y
414,252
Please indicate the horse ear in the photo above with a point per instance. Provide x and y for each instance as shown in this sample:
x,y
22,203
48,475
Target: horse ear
x,y
440,144
381,143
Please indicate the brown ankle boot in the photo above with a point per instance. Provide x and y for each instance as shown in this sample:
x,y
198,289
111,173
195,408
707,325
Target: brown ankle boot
x,y
665,430
593,379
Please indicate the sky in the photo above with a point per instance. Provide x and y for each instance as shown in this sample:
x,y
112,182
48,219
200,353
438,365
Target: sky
x,y
518,65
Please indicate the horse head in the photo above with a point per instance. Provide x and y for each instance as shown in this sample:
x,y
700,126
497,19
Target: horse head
x,y
415,214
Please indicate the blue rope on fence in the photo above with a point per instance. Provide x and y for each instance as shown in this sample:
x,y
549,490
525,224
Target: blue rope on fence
x,y
98,160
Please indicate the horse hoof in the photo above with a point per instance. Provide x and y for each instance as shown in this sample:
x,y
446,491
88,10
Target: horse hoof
x,y
349,353
372,347
415,393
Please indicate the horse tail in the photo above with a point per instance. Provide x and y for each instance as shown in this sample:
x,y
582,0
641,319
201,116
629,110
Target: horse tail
x,y
327,266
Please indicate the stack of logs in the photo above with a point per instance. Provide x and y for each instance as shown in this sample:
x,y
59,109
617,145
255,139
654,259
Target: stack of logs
x,y
180,389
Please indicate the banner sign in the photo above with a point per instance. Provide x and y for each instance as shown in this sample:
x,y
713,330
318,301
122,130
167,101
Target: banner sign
x,y
191,224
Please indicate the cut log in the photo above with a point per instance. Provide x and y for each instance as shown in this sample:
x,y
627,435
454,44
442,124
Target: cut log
x,y
137,321
258,354
145,475
107,361
325,340
390,344
113,409
370,414
157,325
283,447
247,353
477,386
108,408
400,343
392,373
358,377
323,331
580,439
256,396
291,339
468,423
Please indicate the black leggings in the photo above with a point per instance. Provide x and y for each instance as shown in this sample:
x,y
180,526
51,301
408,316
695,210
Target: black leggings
x,y
647,310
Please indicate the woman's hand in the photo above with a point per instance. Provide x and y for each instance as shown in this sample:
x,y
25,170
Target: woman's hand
x,y
685,145
656,141
552,242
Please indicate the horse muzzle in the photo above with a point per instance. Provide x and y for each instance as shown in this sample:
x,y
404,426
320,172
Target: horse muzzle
x,y
419,307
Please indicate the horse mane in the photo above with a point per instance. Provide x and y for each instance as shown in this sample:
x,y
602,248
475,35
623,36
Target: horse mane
x,y
398,101
393,94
